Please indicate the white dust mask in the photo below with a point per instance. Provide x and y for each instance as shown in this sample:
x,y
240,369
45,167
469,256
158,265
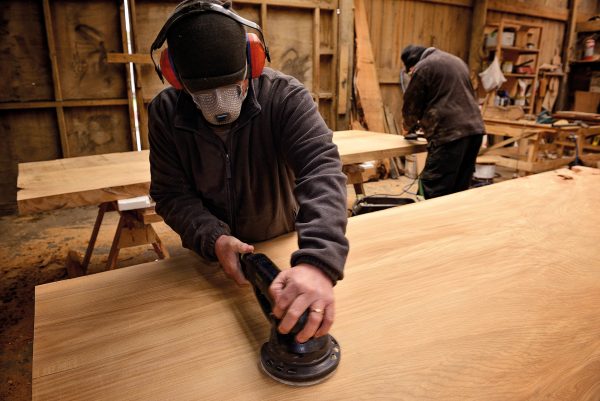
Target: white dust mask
x,y
221,105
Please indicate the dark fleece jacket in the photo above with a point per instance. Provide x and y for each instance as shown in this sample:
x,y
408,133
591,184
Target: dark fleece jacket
x,y
441,99
278,171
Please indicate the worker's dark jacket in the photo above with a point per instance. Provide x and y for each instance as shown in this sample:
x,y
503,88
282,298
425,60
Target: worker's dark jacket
x,y
278,171
441,99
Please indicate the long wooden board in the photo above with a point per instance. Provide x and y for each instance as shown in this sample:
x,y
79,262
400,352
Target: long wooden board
x,y
466,305
91,180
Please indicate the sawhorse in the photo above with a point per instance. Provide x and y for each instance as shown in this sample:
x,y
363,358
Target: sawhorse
x,y
133,229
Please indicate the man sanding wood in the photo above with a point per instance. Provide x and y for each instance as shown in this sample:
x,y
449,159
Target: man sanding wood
x,y
240,154
441,101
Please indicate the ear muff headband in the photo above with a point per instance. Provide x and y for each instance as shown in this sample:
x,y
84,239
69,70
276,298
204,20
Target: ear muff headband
x,y
201,6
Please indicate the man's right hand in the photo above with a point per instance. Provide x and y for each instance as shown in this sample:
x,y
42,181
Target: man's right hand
x,y
228,250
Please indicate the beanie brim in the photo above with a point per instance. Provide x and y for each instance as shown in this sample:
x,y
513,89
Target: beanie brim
x,y
198,84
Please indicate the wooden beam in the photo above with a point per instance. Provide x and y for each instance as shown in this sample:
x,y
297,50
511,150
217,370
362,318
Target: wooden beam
x,y
568,49
478,20
128,78
367,83
458,3
322,4
345,65
520,8
60,114
139,90
138,58
63,103
333,68
316,53
263,18
588,26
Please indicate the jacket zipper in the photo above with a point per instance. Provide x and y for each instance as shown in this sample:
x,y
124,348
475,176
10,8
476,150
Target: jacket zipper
x,y
230,193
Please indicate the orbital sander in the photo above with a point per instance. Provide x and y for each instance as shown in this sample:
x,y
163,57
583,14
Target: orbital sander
x,y
282,357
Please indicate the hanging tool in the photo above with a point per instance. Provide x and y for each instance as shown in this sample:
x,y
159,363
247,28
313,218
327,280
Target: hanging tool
x,y
282,358
523,68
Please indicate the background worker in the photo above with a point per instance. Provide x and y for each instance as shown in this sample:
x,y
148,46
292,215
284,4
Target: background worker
x,y
441,101
236,160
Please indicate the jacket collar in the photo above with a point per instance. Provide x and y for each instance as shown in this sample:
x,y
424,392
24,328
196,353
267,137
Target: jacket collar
x,y
188,117
427,53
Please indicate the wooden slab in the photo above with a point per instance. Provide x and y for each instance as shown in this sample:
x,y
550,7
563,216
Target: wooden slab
x,y
466,305
512,128
80,181
361,146
91,180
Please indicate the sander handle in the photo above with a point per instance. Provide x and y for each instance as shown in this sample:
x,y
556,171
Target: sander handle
x,y
260,271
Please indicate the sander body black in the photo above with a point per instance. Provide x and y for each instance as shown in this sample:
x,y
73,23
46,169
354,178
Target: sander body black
x,y
282,357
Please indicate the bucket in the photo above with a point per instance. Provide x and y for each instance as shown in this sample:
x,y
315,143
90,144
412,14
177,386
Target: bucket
x,y
588,53
410,167
486,171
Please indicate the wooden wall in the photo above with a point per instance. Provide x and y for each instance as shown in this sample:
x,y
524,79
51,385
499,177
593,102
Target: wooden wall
x,y
62,97
447,25
587,9
69,96
59,96
394,24
301,35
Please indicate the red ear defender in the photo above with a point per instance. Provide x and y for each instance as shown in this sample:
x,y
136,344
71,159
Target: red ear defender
x,y
256,54
256,58
168,69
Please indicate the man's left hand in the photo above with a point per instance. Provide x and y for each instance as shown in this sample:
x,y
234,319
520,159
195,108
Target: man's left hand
x,y
298,289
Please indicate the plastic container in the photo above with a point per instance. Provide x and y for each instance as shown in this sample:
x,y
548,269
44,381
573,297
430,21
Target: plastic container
x,y
486,171
588,52
508,39
410,166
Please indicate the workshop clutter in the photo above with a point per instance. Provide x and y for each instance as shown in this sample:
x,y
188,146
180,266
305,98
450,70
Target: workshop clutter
x,y
508,38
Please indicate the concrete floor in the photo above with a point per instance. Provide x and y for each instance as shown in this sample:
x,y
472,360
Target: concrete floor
x,y
33,251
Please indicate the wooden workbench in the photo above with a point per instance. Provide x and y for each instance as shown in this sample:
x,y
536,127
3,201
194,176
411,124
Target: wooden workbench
x,y
442,300
93,180
533,139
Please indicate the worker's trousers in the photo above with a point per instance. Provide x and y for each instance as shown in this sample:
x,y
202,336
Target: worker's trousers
x,y
449,167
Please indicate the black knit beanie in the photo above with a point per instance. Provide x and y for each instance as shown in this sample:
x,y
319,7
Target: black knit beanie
x,y
411,55
208,49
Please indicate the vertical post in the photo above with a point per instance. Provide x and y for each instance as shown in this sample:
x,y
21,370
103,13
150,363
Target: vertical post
x,y
366,80
141,106
263,18
532,97
130,83
60,114
568,43
333,69
478,22
345,64
316,53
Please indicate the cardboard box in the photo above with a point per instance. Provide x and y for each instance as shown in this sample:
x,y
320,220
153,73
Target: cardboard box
x,y
587,101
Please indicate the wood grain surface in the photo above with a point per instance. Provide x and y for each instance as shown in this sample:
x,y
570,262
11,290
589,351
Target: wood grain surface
x,y
487,294
91,180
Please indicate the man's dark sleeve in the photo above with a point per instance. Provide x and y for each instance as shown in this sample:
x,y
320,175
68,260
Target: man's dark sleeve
x,y
415,99
176,201
320,184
